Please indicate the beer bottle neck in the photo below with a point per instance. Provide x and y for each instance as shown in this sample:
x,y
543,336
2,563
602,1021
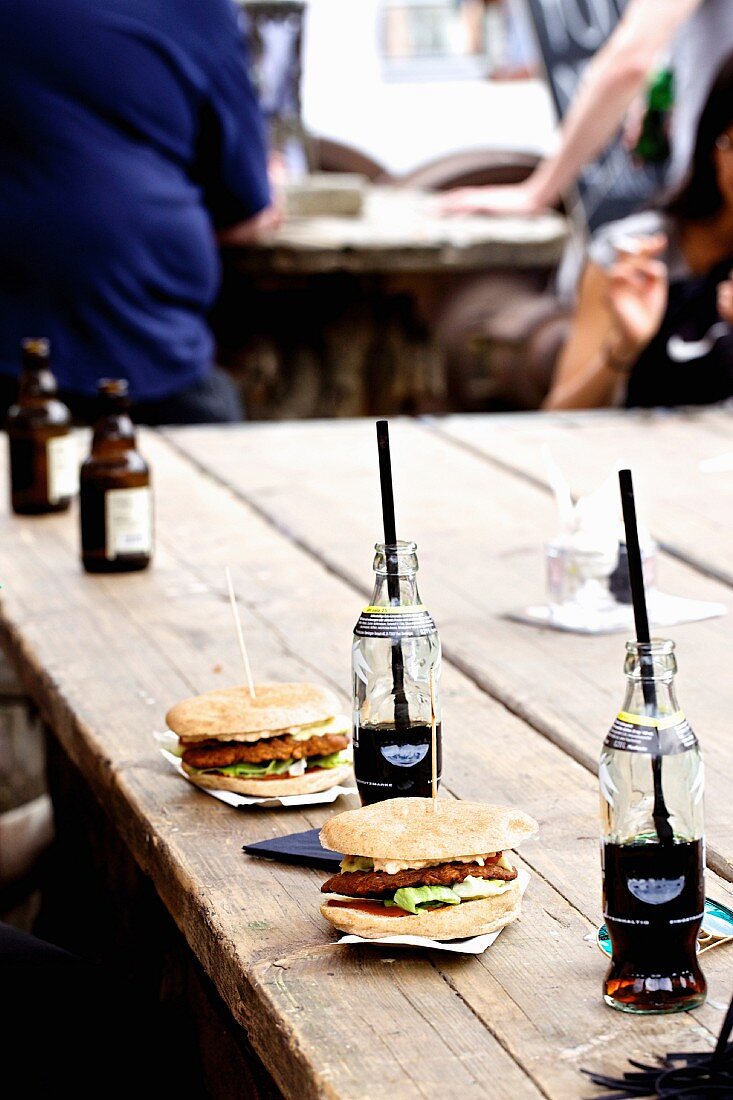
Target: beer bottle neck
x,y
114,431
36,383
396,568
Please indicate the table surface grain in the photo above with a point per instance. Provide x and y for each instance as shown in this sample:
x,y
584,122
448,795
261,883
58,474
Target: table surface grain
x,y
293,509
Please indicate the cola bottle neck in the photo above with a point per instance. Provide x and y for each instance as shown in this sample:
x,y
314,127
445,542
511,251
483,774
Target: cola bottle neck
x,y
650,670
651,697
395,568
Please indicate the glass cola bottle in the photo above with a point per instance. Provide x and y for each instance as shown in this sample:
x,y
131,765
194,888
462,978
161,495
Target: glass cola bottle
x,y
44,465
652,842
396,675
116,501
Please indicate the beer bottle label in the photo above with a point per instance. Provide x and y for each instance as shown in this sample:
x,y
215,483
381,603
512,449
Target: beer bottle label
x,y
62,464
128,521
413,621
22,464
663,736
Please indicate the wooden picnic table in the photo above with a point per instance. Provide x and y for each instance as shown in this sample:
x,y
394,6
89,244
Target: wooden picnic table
x,y
372,303
294,510
398,230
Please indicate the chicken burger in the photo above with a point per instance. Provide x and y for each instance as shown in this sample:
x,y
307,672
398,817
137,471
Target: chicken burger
x,y
289,739
409,869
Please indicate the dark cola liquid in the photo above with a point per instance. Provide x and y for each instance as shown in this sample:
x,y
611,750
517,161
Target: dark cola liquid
x,y
391,762
653,904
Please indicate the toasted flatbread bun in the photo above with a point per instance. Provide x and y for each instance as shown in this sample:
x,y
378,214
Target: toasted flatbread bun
x,y
470,918
234,715
409,828
309,783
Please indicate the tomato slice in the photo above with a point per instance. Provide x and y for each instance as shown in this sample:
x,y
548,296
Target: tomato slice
x,y
367,905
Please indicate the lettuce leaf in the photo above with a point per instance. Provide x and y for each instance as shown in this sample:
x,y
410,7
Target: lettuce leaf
x,y
339,724
480,888
271,767
333,760
357,863
414,898
279,767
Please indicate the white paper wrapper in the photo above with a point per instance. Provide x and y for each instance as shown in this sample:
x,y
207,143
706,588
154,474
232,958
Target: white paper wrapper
x,y
168,740
663,609
474,945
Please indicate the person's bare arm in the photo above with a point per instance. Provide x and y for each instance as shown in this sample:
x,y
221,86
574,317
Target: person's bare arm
x,y
619,312
610,82
585,377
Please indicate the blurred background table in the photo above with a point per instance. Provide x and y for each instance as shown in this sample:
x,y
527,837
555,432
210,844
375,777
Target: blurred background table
x,y
150,872
399,229
340,316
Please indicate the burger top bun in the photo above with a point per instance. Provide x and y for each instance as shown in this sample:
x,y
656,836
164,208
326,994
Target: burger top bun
x,y
232,711
471,918
409,828
308,783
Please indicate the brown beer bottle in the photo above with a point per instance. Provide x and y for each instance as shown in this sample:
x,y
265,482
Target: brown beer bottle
x,y
116,500
44,467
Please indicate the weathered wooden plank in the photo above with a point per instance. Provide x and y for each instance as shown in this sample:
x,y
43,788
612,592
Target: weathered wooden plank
x,y
480,531
689,510
482,768
529,768
158,635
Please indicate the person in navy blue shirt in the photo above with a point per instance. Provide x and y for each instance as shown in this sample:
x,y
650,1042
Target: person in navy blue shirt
x,y
129,137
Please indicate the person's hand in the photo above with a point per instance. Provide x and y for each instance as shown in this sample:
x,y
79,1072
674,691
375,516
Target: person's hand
x,y
637,294
518,198
725,299
252,229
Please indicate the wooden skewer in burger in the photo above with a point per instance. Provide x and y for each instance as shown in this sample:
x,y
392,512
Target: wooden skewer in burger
x,y
263,740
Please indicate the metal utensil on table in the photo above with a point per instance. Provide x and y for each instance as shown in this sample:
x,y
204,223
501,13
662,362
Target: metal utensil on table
x,y
686,351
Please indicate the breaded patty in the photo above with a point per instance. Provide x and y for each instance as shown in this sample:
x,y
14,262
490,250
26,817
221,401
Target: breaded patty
x,y
220,754
375,884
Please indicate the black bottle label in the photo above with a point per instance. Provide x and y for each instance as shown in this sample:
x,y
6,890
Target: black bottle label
x,y
395,622
664,736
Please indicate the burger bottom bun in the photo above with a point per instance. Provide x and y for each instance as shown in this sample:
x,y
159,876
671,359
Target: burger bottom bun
x,y
321,779
470,918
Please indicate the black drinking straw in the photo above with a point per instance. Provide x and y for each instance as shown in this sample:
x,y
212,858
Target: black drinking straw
x,y
641,619
402,709
678,1074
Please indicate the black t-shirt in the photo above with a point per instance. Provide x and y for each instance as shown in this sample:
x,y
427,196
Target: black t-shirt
x,y
657,380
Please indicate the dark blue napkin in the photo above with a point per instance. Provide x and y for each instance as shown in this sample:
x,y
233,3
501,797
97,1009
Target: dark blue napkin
x,y
302,848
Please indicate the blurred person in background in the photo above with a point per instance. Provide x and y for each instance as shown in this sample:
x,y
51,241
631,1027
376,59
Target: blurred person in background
x,y
699,34
658,277
129,138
